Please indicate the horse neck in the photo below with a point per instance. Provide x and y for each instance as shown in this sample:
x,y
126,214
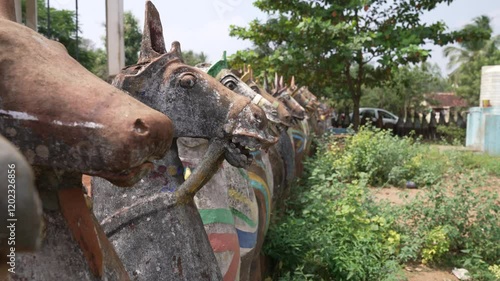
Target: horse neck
x,y
173,162
8,10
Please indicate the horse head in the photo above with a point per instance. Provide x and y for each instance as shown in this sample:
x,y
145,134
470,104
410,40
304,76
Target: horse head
x,y
67,118
304,97
196,102
283,114
282,93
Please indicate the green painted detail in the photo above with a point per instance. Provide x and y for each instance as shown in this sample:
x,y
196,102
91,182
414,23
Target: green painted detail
x,y
209,216
243,217
218,66
243,173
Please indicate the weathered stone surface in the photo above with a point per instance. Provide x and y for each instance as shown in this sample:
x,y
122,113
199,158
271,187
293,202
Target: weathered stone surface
x,y
74,124
63,118
200,107
158,234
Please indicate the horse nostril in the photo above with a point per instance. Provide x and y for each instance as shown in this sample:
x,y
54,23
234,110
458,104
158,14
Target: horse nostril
x,y
140,127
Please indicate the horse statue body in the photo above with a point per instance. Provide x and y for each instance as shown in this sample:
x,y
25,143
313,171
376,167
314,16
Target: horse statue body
x,y
156,227
299,131
66,121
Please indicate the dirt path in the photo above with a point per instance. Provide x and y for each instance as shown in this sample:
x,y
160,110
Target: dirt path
x,y
423,273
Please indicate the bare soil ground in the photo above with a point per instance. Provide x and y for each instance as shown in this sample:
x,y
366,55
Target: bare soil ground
x,y
401,195
429,274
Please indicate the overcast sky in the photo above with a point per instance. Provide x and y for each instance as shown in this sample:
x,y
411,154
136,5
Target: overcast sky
x,y
203,25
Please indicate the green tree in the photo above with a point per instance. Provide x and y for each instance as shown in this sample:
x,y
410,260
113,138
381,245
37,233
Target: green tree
x,y
342,46
406,88
132,37
63,30
468,49
470,56
192,58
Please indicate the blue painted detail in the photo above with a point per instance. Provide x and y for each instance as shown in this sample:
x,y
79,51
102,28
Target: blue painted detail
x,y
301,139
247,240
257,158
168,188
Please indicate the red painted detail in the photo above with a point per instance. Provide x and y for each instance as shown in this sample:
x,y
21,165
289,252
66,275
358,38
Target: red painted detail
x,y
222,242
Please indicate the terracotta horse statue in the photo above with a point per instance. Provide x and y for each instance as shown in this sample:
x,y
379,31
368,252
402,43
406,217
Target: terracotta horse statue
x,y
228,204
156,227
310,102
299,132
66,122
20,208
282,154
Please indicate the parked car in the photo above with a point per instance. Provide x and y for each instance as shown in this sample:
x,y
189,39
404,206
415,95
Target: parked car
x,y
374,113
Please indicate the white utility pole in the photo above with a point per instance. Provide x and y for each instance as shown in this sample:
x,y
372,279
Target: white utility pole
x,y
114,36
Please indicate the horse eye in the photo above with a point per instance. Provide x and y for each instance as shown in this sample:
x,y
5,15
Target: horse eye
x,y
255,89
230,85
187,81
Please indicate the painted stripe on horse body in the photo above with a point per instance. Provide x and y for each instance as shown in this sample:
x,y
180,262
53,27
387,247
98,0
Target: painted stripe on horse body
x,y
243,217
260,186
299,139
223,242
247,240
238,196
257,159
209,216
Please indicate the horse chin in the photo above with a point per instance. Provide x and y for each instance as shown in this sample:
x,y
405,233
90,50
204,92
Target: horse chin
x,y
238,151
126,178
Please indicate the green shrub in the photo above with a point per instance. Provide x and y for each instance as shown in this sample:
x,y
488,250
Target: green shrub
x,y
457,227
387,159
452,134
333,230
463,161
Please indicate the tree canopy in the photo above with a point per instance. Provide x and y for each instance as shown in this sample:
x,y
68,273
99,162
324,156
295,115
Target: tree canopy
x,y
63,29
469,57
406,89
192,58
132,36
340,47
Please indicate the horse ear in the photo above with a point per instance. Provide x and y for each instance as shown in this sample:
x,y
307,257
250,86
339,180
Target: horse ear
x,y
266,82
292,83
153,44
176,49
251,72
276,81
282,84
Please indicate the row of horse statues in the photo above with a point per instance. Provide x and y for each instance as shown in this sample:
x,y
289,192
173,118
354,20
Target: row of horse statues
x,y
183,166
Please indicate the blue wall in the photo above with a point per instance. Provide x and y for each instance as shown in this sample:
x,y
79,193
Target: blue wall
x,y
483,129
